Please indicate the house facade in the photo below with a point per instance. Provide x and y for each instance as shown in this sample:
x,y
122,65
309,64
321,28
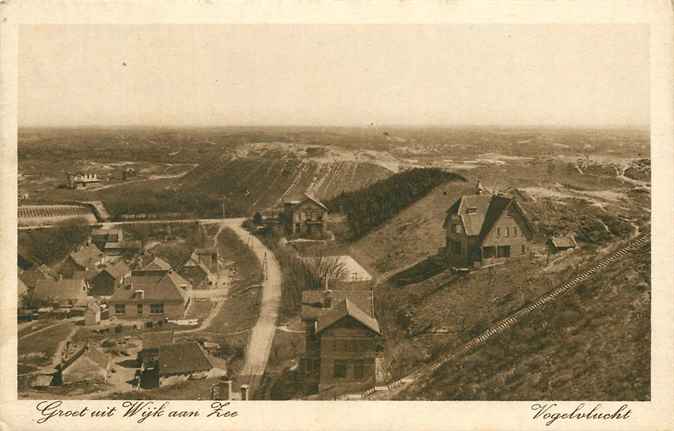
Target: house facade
x,y
158,296
485,228
108,279
348,348
341,339
305,218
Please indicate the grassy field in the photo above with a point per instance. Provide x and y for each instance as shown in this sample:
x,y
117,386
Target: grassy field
x,y
598,334
199,309
39,349
414,234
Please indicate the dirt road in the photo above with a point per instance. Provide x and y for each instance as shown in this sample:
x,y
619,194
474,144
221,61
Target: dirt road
x,y
262,336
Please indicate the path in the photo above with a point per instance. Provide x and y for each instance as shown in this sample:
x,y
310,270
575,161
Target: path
x,y
60,323
222,292
262,336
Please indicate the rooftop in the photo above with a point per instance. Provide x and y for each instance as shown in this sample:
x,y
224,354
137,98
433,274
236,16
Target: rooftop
x,y
153,340
343,309
65,289
87,255
182,358
165,287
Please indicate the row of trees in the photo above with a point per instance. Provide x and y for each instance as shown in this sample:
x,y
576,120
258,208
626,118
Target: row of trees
x,y
301,274
164,201
368,208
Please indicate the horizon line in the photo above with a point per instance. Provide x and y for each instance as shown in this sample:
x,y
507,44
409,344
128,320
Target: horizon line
x,y
345,126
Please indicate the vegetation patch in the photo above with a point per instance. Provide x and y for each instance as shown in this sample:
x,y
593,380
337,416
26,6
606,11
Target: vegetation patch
x,y
49,246
368,208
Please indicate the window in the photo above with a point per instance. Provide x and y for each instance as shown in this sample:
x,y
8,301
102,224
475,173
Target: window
x,y
455,247
471,210
488,252
139,309
514,231
312,365
120,309
503,251
340,369
156,308
358,369
507,231
524,248
498,231
457,228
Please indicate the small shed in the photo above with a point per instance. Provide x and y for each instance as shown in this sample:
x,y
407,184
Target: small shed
x,y
562,243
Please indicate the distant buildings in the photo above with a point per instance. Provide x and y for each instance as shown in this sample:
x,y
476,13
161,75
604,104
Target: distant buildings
x,y
80,180
484,228
101,236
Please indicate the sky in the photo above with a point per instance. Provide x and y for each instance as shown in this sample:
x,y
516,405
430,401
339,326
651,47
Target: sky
x,y
342,75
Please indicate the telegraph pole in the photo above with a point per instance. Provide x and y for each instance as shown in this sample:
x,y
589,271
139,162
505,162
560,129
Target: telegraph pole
x,y
264,265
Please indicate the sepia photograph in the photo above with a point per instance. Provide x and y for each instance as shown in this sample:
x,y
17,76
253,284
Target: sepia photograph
x,y
334,212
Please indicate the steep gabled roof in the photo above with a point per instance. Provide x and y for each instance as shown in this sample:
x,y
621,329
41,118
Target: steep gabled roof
x,y
118,270
86,256
31,276
66,289
182,358
472,210
497,206
157,264
316,201
344,309
485,210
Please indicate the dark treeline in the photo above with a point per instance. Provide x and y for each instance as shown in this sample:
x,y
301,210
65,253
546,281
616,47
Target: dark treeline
x,y
368,208
185,203
49,246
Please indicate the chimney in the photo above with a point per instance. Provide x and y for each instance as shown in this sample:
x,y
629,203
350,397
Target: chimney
x,y
228,385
